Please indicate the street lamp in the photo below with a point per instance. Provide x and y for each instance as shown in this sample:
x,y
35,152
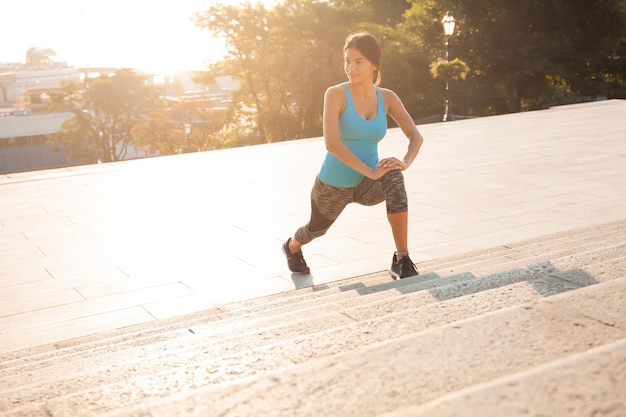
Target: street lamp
x,y
187,132
448,23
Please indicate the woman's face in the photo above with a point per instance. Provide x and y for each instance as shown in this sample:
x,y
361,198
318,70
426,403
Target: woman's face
x,y
357,67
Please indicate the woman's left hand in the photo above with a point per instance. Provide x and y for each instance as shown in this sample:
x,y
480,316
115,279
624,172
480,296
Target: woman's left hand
x,y
392,163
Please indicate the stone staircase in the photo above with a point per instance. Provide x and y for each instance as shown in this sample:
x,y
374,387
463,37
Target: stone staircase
x,y
532,328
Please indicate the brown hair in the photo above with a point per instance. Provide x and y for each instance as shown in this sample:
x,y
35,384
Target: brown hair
x,y
367,45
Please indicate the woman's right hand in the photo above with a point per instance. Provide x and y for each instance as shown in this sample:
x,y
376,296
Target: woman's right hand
x,y
379,171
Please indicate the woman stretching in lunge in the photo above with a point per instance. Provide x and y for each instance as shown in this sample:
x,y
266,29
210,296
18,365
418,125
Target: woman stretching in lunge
x,y
355,120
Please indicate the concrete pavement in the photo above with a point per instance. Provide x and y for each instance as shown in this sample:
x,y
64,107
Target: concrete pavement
x,y
88,249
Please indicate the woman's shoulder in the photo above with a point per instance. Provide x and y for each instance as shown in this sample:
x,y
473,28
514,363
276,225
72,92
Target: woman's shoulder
x,y
386,92
335,89
336,93
389,97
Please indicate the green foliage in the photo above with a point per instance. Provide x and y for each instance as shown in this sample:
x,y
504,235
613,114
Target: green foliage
x,y
164,132
454,70
516,49
284,59
156,136
524,55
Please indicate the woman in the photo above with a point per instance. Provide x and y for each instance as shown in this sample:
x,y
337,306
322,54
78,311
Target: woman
x,y
355,120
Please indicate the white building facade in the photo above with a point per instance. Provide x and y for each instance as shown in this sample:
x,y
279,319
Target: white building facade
x,y
26,128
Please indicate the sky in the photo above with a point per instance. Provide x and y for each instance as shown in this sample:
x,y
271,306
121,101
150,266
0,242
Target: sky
x,y
153,36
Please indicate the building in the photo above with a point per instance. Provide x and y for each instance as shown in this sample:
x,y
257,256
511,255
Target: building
x,y
26,125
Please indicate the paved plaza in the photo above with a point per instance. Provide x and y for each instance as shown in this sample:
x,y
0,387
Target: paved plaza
x,y
93,248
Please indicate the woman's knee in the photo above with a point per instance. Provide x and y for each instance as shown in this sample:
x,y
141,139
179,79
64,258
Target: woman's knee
x,y
393,178
397,199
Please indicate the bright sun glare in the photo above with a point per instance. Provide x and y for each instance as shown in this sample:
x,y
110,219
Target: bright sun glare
x,y
158,37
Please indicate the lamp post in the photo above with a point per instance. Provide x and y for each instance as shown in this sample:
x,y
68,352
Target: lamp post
x,y
448,23
187,132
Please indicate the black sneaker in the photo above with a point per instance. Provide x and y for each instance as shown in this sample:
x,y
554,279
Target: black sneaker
x,y
403,268
296,261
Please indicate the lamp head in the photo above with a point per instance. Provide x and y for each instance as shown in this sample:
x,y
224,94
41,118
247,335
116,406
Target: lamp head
x,y
448,23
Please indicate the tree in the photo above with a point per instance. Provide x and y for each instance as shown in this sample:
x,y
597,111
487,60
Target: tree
x,y
284,59
157,136
527,50
527,54
405,70
388,12
105,111
164,132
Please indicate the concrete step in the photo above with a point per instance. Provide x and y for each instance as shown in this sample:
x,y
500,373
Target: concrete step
x,y
232,359
538,245
364,333
213,324
370,283
547,246
234,344
528,252
362,284
419,367
337,309
588,384
214,340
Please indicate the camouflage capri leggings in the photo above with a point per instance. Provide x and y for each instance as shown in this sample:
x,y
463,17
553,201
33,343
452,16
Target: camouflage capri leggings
x,y
327,202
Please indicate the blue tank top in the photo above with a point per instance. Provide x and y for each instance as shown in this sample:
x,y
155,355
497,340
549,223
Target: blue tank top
x,y
361,137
